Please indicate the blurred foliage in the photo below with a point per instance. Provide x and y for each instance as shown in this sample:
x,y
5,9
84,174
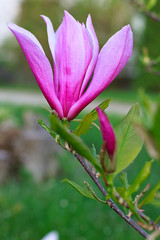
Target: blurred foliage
x,y
149,47
149,125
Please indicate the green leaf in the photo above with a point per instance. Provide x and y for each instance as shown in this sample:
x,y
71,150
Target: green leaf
x,y
124,180
80,189
92,192
141,177
46,128
121,191
84,125
75,142
150,4
155,130
156,203
129,142
151,195
94,151
147,108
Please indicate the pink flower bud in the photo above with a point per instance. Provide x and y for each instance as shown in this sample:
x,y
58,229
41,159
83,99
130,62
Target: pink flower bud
x,y
107,133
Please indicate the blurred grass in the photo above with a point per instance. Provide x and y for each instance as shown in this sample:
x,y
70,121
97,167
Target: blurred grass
x,y
127,96
29,210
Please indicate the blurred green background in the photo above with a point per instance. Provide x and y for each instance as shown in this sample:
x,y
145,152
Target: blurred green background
x,y
29,209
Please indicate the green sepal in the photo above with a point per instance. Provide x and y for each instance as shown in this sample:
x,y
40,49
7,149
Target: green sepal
x,y
84,192
85,123
46,128
151,195
110,164
128,141
74,141
141,177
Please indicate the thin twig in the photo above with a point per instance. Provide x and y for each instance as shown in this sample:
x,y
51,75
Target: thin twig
x,y
110,203
150,221
150,14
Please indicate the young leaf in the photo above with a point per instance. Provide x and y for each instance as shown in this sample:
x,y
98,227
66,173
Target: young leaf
x,y
124,180
94,151
129,143
75,142
92,192
151,195
46,128
84,125
80,189
150,4
141,177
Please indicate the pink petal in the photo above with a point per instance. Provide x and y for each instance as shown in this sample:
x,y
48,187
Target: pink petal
x,y
51,35
88,57
39,64
95,51
107,133
111,60
71,60
52,39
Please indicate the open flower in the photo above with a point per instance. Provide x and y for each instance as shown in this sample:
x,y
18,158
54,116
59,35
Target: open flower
x,y
76,56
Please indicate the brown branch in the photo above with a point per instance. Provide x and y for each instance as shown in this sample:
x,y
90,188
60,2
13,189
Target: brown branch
x,y
110,203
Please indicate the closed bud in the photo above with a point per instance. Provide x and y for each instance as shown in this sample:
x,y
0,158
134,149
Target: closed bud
x,y
109,143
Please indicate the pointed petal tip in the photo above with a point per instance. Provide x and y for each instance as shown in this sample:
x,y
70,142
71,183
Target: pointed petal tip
x,y
7,23
45,18
11,26
98,110
66,13
68,16
127,28
89,19
42,16
101,113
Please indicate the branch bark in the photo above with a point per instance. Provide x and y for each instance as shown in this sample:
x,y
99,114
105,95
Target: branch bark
x,y
110,203
150,14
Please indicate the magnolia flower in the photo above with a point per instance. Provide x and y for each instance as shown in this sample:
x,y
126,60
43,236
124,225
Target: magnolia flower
x,y
107,133
75,52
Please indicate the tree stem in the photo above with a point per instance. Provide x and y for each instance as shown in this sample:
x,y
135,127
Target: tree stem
x,y
110,203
